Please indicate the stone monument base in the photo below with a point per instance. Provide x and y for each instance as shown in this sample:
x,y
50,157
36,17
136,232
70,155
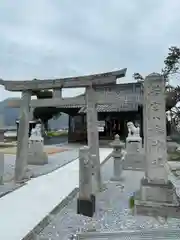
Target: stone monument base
x,y
38,158
134,161
86,207
36,155
156,199
116,179
134,158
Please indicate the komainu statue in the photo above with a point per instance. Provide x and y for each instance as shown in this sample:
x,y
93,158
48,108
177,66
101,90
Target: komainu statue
x,y
36,132
132,130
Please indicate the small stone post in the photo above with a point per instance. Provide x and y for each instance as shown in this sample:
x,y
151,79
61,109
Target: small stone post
x,y
86,201
96,177
2,129
1,168
117,156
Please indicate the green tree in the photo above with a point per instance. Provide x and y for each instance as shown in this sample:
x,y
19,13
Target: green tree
x,y
171,68
171,63
138,77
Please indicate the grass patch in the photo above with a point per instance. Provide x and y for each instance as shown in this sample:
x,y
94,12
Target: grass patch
x,y
57,134
174,156
131,202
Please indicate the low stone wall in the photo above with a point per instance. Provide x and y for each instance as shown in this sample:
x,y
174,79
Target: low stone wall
x,y
141,234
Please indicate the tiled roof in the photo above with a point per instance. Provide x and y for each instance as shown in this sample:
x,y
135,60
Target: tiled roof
x,y
128,106
73,106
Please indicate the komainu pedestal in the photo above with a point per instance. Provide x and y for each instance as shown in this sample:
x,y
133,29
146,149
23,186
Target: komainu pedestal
x,y
134,158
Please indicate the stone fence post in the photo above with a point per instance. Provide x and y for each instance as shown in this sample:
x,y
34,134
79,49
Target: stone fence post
x,y
86,200
1,168
117,156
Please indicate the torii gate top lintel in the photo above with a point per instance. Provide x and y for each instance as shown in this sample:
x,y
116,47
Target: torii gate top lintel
x,y
72,82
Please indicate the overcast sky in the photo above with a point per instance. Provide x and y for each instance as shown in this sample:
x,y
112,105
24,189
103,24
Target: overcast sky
x,y
58,38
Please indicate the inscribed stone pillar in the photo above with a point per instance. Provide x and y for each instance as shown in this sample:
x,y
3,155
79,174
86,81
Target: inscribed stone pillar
x,y
23,136
157,196
155,128
92,131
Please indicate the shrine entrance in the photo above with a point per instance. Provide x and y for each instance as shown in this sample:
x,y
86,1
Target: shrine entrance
x,y
116,123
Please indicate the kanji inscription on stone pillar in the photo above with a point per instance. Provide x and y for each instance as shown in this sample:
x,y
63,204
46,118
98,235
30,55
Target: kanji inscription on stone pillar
x,y
155,128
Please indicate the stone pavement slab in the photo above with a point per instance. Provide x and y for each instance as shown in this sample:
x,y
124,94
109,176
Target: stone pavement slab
x,y
113,213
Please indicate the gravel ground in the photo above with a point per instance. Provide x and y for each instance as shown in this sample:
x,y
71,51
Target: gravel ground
x,y
55,161
112,211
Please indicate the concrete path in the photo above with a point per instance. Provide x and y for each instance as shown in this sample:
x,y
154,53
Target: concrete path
x,y
23,209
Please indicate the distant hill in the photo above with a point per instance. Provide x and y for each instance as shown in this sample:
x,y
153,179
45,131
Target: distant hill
x,y
11,114
61,122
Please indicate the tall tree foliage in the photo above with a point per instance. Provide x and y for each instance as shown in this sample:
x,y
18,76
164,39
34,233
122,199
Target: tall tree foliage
x,y
171,68
171,63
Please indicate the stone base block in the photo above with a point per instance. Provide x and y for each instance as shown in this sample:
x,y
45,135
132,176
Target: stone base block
x,y
134,162
38,159
116,179
156,199
133,144
86,207
159,192
93,199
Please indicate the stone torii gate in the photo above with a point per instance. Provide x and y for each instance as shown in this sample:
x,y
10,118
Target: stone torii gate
x,y
27,88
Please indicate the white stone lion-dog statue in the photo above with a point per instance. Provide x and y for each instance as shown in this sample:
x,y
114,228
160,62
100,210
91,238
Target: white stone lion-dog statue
x,y
36,132
132,130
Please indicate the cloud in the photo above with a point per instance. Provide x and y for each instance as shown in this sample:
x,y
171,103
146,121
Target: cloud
x,y
47,39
